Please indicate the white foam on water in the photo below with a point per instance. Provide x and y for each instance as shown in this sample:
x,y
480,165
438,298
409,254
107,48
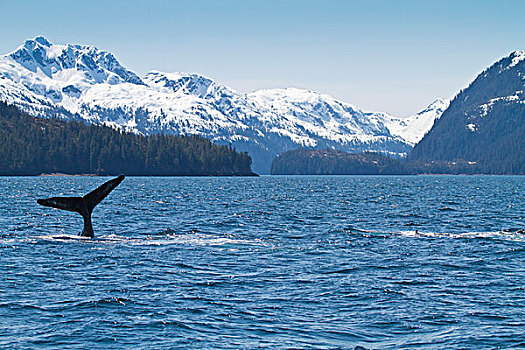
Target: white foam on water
x,y
60,237
502,235
158,240
198,239
194,239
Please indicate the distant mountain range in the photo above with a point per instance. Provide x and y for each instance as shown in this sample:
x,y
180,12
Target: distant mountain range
x,y
76,81
481,131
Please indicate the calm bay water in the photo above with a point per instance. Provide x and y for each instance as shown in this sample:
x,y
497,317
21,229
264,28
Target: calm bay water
x,y
284,262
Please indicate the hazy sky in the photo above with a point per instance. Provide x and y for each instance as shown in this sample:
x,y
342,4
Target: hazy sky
x,y
392,56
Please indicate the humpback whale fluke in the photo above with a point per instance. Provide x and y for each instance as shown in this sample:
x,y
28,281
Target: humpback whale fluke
x,y
83,205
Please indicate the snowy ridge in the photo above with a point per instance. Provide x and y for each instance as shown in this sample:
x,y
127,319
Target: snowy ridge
x,y
320,115
413,128
82,81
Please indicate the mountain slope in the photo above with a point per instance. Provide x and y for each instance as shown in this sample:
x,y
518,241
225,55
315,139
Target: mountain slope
x,y
485,123
76,81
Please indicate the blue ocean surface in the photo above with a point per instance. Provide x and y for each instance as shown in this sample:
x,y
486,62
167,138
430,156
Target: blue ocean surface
x,y
407,262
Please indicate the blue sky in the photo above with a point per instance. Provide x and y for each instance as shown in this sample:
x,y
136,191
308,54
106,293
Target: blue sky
x,y
392,56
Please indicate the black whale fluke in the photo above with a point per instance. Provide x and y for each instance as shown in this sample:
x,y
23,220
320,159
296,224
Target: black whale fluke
x,y
83,205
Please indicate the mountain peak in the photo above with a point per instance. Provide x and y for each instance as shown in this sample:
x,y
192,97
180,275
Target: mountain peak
x,y
72,62
32,44
438,104
189,84
42,41
292,94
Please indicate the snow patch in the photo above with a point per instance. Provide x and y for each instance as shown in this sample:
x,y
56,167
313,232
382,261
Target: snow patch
x,y
517,57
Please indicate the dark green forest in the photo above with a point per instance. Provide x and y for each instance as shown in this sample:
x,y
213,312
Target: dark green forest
x,y
305,161
484,127
33,146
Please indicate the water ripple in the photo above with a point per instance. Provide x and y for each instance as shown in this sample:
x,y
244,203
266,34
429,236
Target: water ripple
x,y
280,262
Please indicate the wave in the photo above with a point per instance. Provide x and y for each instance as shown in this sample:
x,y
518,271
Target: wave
x,y
518,235
165,237
203,239
196,238
63,237
447,209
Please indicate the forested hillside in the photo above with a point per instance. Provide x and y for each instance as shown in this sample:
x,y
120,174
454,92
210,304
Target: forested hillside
x,y
484,125
306,161
32,146
331,162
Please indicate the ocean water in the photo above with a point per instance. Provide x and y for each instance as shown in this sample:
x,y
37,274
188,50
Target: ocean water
x,y
415,262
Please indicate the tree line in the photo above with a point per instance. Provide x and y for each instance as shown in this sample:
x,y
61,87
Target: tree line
x,y
32,146
331,162
305,161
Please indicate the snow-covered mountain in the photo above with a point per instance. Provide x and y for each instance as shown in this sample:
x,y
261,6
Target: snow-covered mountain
x,y
413,128
76,81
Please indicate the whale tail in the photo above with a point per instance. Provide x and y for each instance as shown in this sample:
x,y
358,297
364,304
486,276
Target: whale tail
x,y
84,205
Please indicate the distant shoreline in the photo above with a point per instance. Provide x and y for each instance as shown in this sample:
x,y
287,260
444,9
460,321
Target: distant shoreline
x,y
422,174
62,174
254,175
94,175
